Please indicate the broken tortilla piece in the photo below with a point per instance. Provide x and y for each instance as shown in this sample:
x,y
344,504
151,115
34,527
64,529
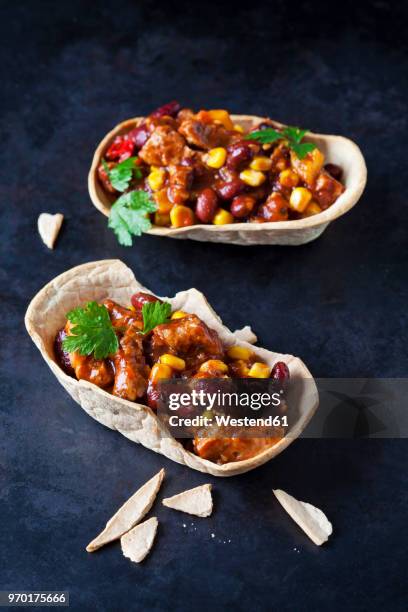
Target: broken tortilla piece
x,y
49,227
137,543
312,520
129,514
197,501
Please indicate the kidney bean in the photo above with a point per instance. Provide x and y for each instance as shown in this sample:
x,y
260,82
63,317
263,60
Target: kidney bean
x,y
266,125
62,356
171,109
139,299
228,190
239,154
139,135
334,170
242,206
207,203
153,395
280,372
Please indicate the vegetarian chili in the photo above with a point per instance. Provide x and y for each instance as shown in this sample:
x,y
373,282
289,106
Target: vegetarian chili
x,y
128,351
202,168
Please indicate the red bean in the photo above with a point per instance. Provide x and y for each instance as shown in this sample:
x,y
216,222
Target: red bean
x,y
139,299
334,170
239,154
242,206
206,206
280,372
171,109
228,190
62,356
139,135
153,395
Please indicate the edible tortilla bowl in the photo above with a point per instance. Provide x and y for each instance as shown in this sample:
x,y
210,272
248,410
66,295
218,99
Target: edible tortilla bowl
x,y
336,149
46,314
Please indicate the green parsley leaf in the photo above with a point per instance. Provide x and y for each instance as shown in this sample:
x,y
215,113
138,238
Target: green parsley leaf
x,y
92,331
129,216
121,175
303,149
265,136
154,313
292,134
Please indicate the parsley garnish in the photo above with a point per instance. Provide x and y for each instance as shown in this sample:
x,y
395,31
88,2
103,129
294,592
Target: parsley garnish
x,y
121,175
154,313
129,216
292,134
92,332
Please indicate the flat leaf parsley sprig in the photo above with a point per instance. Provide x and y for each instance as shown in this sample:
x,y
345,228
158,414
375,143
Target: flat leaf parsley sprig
x,y
293,135
92,332
121,175
129,215
155,313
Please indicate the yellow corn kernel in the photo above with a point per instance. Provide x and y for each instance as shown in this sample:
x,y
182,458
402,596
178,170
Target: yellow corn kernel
x,y
222,217
132,308
164,205
238,128
160,371
156,179
214,365
259,370
261,163
153,168
312,209
266,147
162,219
288,178
222,116
216,157
174,362
239,352
253,178
178,314
299,199
181,216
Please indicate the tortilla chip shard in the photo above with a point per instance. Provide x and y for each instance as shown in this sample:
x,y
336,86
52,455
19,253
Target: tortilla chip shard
x,y
197,501
130,513
137,542
49,227
312,520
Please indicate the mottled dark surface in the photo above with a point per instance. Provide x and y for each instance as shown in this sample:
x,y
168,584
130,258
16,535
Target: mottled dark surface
x,y
70,71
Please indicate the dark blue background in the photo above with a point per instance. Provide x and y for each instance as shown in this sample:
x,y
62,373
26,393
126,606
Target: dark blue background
x,y
69,71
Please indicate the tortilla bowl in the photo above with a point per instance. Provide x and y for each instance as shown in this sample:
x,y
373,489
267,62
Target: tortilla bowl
x,y
97,280
336,149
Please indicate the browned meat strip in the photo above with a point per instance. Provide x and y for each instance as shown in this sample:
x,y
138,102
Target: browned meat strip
x,y
131,372
326,190
204,135
122,317
165,146
189,338
180,178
